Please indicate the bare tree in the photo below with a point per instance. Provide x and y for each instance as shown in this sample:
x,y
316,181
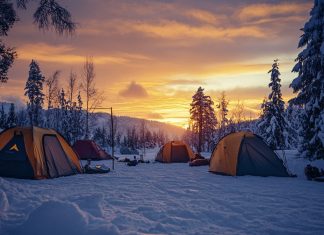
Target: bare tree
x,y
52,88
72,86
93,98
238,112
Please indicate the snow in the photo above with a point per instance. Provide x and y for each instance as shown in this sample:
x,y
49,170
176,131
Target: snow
x,y
163,199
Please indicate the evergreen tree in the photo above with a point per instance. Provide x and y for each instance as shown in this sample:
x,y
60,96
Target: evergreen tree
x,y
22,118
34,92
293,113
78,121
3,118
309,84
12,117
100,136
273,124
65,121
202,118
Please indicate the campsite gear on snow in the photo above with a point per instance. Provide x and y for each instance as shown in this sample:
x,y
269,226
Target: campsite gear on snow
x,y
199,162
132,163
319,179
124,160
87,165
244,153
312,172
198,156
88,149
98,169
175,151
36,153
142,161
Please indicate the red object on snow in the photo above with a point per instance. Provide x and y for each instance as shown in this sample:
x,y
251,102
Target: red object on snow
x,y
199,162
88,149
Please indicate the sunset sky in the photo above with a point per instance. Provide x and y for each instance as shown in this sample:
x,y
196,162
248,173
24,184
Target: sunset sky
x,y
151,56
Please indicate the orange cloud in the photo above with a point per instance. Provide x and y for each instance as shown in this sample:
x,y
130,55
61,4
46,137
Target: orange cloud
x,y
176,30
66,55
266,10
203,16
154,116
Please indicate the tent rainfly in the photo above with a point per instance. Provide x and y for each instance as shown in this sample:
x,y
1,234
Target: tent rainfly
x,y
36,153
88,149
244,153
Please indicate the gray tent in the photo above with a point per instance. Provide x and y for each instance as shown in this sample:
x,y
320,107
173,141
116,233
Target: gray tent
x,y
244,153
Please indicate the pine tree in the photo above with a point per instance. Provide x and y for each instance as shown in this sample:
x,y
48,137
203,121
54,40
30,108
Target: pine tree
x,y
273,124
100,137
78,121
22,118
293,113
34,92
3,118
202,118
12,117
65,122
309,84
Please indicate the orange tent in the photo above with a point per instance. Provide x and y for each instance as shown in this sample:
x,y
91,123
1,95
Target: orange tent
x,y
32,152
244,153
175,151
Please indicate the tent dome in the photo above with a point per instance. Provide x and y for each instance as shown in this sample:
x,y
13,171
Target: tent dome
x,y
244,153
175,151
36,153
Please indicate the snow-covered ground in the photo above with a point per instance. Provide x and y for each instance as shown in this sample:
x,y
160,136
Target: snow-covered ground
x,y
163,199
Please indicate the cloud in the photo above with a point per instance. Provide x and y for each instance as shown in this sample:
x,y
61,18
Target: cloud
x,y
175,30
65,54
185,82
154,116
203,16
266,10
134,90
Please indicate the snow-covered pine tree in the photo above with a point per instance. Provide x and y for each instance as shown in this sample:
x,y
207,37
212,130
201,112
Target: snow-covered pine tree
x,y
22,117
12,117
34,92
202,118
100,137
210,124
65,124
262,122
78,120
273,124
3,118
309,84
293,113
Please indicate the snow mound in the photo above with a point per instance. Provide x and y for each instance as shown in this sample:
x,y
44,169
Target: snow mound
x,y
55,217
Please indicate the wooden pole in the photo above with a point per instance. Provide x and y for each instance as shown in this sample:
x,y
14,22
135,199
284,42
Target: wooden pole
x,y
112,137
